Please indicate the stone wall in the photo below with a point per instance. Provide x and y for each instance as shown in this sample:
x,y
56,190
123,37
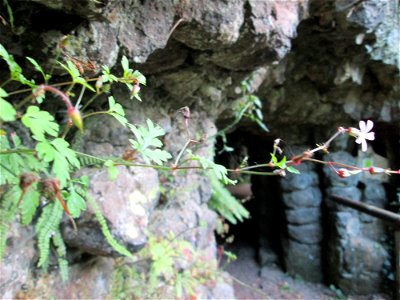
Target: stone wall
x,y
315,64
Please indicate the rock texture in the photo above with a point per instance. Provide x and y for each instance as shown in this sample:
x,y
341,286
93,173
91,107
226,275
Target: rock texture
x,y
316,65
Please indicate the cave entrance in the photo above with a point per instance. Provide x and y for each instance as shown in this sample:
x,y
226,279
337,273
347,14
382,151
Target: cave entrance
x,y
259,236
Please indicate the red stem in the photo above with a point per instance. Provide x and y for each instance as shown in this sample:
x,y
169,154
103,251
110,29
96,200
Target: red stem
x,y
62,95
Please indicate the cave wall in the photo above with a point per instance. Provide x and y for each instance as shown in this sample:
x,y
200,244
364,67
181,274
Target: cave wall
x,y
315,64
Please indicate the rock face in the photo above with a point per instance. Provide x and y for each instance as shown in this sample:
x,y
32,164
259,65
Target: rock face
x,y
316,65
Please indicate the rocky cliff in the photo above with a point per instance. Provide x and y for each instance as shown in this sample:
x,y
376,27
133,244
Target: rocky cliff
x,y
316,65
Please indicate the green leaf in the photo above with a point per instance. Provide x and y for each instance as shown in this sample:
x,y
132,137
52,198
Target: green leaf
x,y
62,146
292,170
76,75
107,76
125,65
46,77
83,82
75,201
147,140
7,111
45,151
29,205
71,69
117,111
40,122
63,158
15,69
112,169
224,203
219,170
139,77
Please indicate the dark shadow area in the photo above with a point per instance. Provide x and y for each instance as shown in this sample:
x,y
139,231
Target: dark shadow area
x,y
263,230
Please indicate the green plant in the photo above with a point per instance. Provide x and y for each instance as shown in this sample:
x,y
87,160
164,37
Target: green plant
x,y
37,178
173,269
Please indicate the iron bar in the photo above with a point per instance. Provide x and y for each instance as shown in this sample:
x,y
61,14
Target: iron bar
x,y
370,210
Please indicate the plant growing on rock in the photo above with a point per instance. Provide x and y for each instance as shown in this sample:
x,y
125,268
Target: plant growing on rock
x,y
38,184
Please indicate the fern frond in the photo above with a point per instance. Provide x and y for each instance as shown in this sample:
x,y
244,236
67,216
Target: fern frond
x,y
46,227
106,231
87,160
224,203
58,242
8,211
29,205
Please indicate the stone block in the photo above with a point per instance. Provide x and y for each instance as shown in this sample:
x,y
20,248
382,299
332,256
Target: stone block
x,y
303,260
293,182
310,197
306,234
303,215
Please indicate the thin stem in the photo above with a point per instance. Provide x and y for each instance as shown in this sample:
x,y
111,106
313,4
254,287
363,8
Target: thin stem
x,y
236,121
239,171
103,112
5,82
257,166
326,144
23,102
174,27
90,101
11,151
60,94
181,152
80,96
330,163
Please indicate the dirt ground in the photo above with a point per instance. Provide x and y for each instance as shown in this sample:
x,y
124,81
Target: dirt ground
x,y
253,282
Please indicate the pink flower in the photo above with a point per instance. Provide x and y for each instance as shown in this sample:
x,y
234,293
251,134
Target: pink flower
x,y
363,134
343,173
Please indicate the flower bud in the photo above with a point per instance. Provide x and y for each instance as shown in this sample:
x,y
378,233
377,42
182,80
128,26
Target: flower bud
x,y
76,117
343,173
375,170
136,88
99,84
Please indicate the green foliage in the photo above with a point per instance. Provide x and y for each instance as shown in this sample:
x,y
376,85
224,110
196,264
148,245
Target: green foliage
x,y
106,231
112,169
76,75
46,77
282,164
47,225
225,204
163,255
76,197
50,163
39,122
147,142
15,69
220,172
87,160
8,208
29,204
64,159
7,111
116,110
253,106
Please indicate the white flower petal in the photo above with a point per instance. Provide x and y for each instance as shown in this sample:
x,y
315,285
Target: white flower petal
x,y
359,140
370,124
370,136
364,146
362,126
